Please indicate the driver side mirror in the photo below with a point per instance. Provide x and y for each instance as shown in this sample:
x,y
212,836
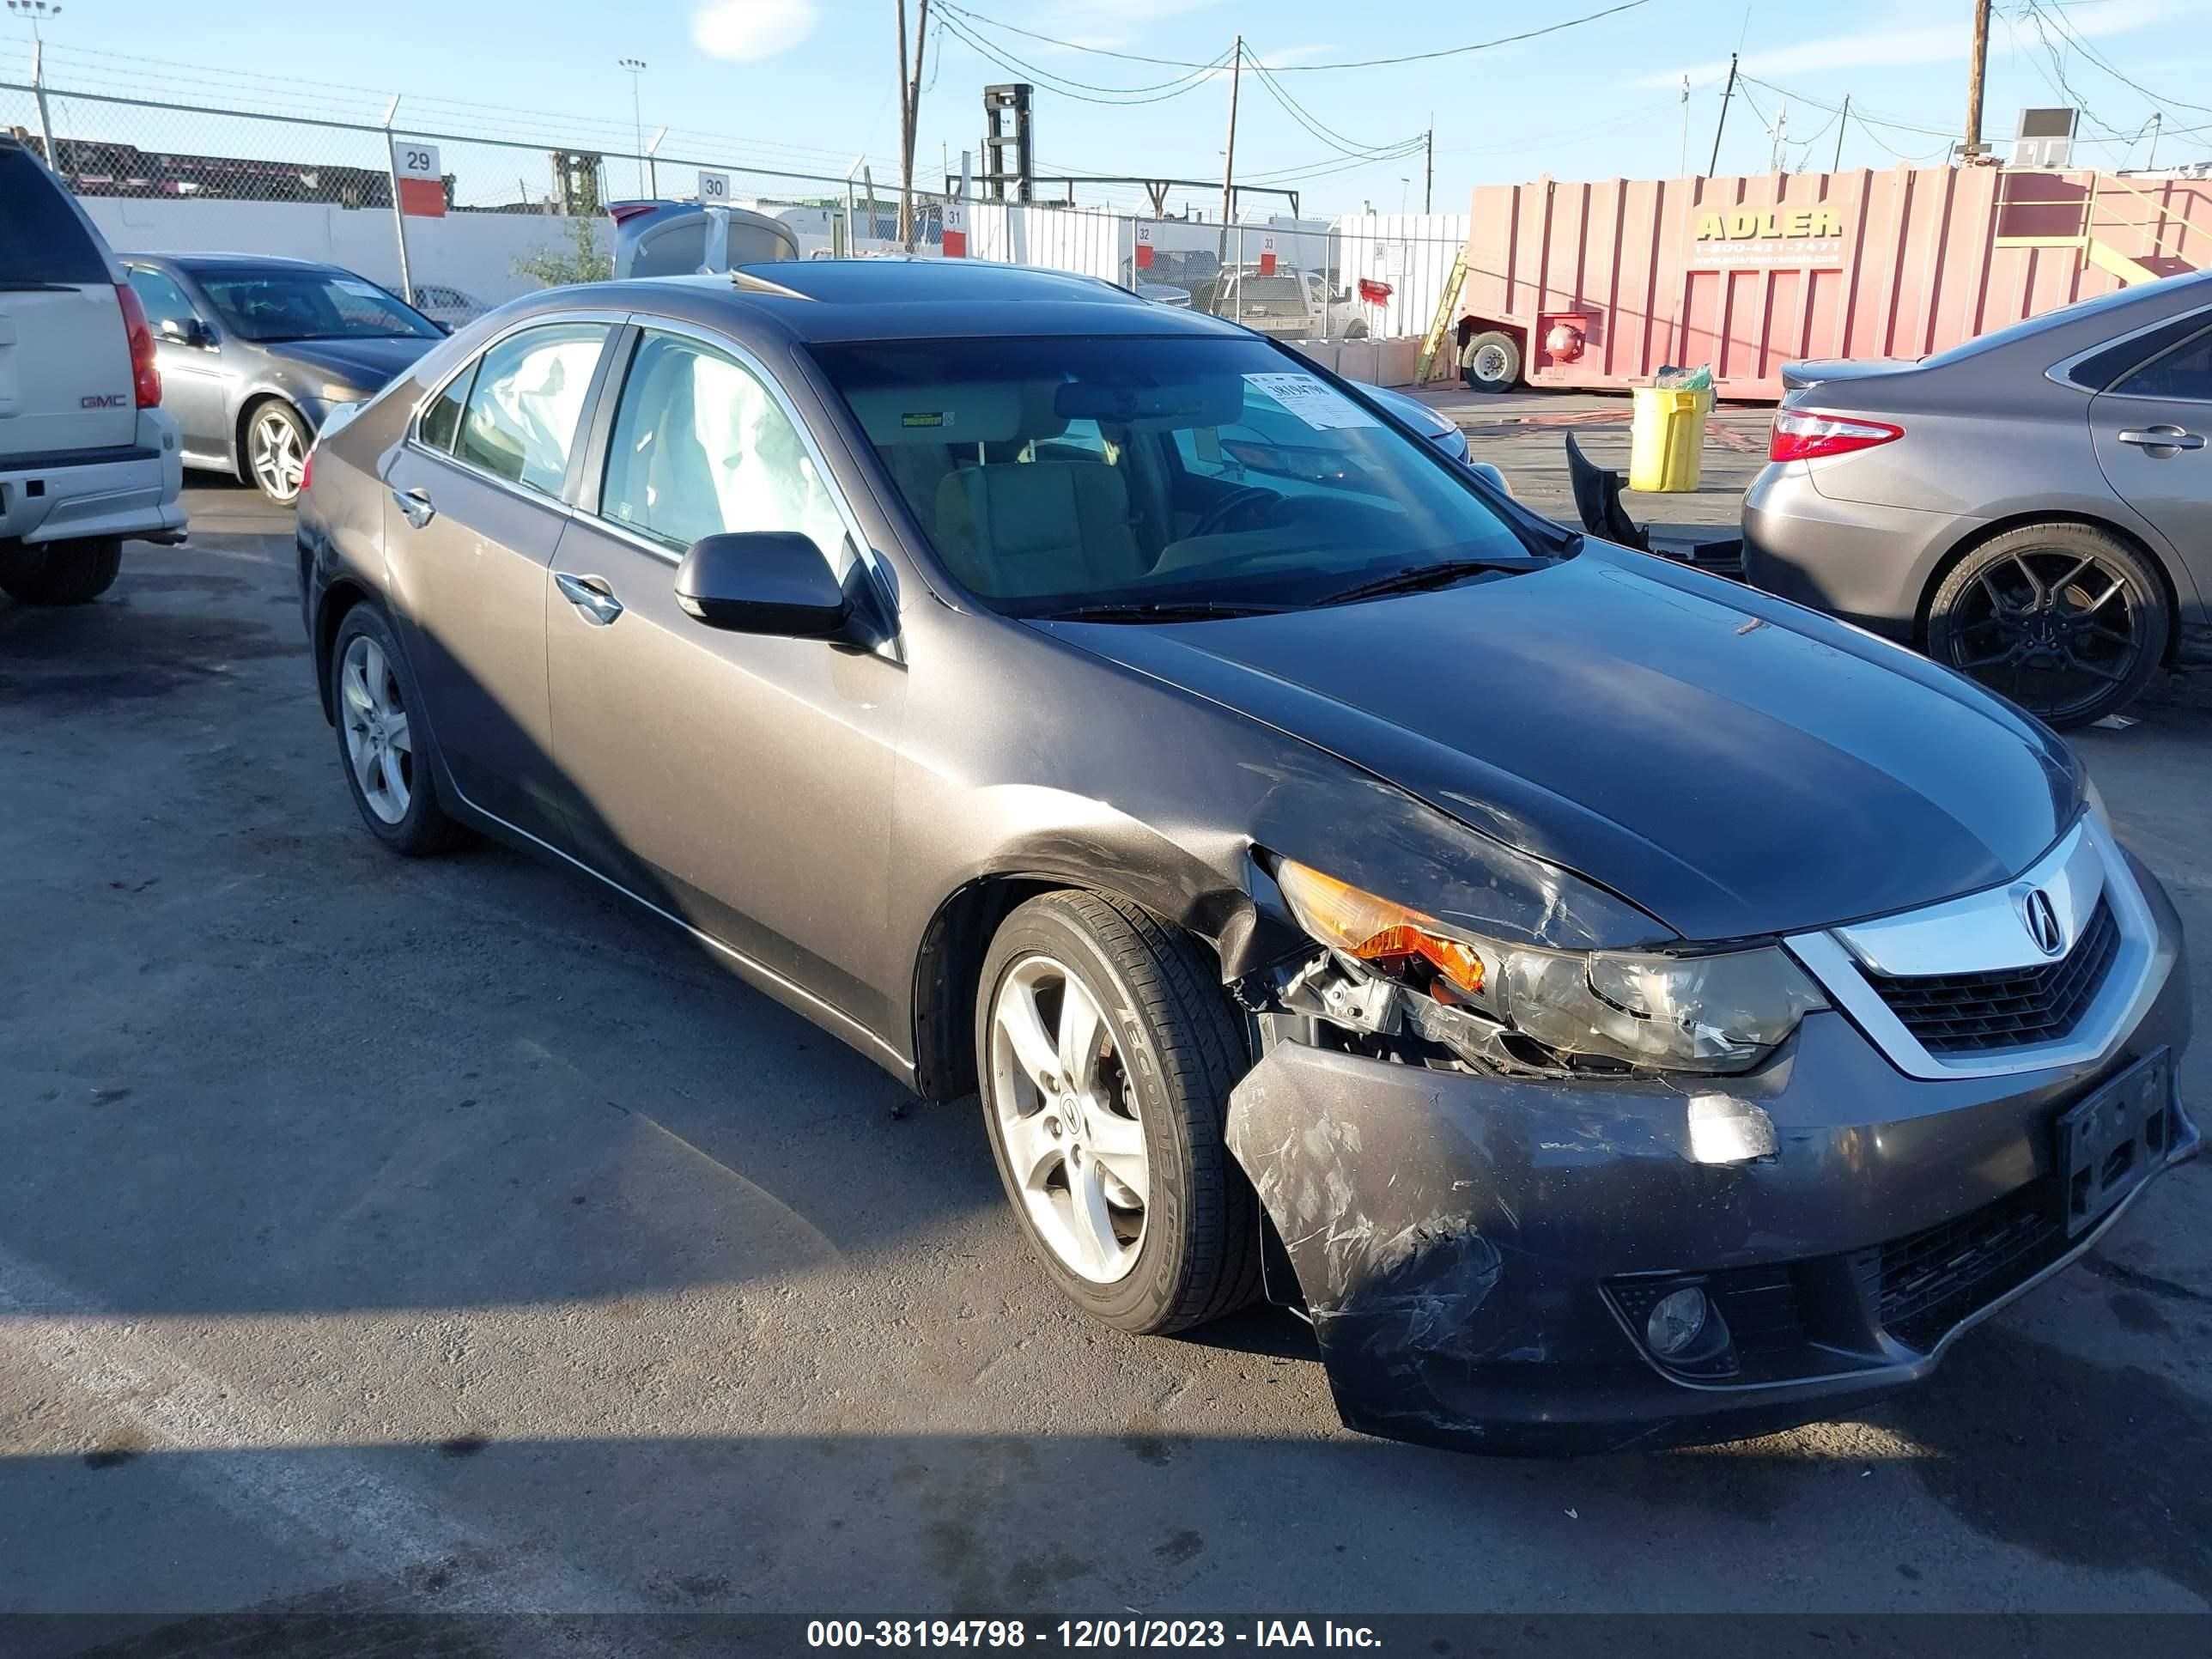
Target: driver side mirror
x,y
768,581
190,332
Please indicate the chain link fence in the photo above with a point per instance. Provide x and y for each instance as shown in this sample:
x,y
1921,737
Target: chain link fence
x,y
314,176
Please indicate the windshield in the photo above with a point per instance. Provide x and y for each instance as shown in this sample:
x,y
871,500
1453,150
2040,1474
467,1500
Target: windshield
x,y
1059,475
269,304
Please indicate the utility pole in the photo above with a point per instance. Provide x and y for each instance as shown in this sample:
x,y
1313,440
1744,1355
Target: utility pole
x,y
1685,166
1842,121
909,116
1977,68
1778,158
1229,157
2157,121
1727,92
1429,169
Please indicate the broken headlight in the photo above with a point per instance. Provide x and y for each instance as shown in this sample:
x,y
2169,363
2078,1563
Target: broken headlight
x,y
1717,1012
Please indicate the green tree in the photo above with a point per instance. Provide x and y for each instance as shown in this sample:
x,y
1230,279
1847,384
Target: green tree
x,y
581,262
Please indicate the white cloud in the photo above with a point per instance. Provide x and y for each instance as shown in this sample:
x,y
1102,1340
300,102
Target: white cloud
x,y
747,29
1892,48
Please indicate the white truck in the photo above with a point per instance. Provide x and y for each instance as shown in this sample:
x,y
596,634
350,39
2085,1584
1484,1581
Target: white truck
x,y
87,458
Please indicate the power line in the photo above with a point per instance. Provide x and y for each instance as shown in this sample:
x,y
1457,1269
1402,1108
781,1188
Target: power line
x,y
1069,46
2096,58
1856,114
1353,63
1942,150
1083,91
1314,124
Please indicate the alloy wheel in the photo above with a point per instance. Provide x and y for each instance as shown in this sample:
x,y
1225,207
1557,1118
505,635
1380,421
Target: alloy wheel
x,y
275,452
378,742
1067,1119
2054,630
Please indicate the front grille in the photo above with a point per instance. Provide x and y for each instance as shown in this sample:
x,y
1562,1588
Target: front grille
x,y
1972,1013
1931,1279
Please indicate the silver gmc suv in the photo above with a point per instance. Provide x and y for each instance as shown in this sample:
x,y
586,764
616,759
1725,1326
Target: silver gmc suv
x,y
87,458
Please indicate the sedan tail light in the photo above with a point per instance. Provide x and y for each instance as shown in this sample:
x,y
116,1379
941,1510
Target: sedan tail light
x,y
1802,435
145,372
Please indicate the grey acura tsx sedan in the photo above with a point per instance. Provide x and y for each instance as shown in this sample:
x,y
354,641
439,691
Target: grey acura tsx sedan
x,y
1612,1004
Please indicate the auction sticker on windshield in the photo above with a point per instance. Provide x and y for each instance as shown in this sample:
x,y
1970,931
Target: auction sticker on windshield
x,y
1313,401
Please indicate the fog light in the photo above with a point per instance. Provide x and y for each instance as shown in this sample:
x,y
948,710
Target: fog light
x,y
1676,1321
1725,1130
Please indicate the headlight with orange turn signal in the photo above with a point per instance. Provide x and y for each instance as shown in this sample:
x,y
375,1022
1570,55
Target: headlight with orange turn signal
x,y
1708,1013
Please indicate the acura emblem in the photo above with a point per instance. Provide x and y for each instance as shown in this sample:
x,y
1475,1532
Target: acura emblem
x,y
2043,926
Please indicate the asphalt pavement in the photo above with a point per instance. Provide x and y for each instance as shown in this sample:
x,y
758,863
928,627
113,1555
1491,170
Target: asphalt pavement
x,y
381,1234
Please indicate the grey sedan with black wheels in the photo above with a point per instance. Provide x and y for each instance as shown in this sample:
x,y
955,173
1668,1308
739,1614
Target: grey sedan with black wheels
x,y
255,350
2032,508
1613,1006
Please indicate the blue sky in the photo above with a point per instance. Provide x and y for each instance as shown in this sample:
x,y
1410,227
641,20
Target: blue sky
x,y
810,85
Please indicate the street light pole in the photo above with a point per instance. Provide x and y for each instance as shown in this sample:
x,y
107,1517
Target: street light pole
x,y
635,66
36,10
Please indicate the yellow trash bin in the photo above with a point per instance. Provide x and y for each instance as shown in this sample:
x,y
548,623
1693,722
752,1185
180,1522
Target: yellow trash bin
x,y
1666,439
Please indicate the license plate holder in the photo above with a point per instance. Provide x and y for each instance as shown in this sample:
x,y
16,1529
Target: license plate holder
x,y
2113,1139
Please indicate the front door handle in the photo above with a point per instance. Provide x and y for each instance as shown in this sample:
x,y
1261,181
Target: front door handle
x,y
591,595
416,504
2162,437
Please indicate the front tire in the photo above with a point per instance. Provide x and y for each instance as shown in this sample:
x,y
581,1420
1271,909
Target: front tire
x,y
1105,1050
2067,621
384,750
61,573
1491,362
277,444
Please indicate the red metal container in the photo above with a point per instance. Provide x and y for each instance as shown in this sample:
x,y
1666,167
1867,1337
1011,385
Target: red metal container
x,y
1603,282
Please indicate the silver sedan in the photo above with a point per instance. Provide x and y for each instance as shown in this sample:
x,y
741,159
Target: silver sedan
x,y
255,350
2032,508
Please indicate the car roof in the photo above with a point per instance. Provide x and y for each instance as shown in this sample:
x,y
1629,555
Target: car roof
x,y
233,261
827,301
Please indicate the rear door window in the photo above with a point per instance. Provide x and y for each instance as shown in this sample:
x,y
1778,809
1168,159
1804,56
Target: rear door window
x,y
2183,373
2099,370
522,413
41,238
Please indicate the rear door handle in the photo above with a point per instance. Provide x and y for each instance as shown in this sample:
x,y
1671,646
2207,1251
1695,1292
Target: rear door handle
x,y
591,595
416,504
2162,437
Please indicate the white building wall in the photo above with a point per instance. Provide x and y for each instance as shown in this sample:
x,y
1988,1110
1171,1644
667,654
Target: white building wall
x,y
475,251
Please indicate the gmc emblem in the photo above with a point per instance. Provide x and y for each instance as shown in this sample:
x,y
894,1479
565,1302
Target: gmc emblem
x,y
113,400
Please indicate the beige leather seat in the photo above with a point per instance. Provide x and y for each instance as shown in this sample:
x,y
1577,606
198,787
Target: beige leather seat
x,y
1017,529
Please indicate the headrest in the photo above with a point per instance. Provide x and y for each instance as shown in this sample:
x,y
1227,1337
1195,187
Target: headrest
x,y
1034,507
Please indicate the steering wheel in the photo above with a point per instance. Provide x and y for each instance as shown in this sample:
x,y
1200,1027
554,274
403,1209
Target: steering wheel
x,y
1229,505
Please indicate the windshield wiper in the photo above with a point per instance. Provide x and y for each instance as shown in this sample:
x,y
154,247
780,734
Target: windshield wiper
x,y
1419,578
1158,610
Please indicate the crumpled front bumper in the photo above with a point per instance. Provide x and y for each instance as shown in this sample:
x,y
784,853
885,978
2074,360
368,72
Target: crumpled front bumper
x,y
1459,1241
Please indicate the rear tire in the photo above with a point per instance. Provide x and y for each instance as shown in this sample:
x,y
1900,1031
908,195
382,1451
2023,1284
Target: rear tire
x,y
2067,621
61,573
384,746
1490,362
1165,1052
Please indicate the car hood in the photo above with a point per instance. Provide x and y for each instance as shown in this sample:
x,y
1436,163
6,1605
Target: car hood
x,y
364,363
1732,763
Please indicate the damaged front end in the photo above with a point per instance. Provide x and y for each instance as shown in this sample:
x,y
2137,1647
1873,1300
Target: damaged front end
x,y
1548,1187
